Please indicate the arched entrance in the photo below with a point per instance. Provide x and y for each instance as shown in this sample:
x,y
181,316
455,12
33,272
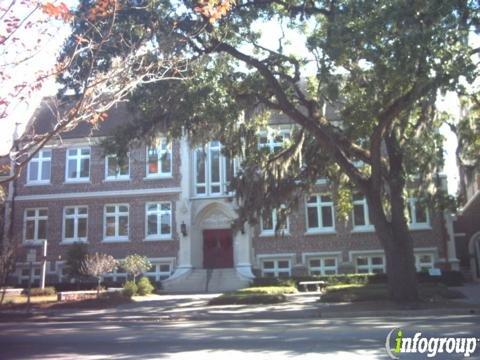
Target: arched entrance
x,y
213,242
474,251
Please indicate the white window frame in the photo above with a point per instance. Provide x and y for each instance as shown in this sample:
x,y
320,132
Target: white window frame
x,y
276,269
161,141
223,183
413,224
368,226
116,177
42,160
370,266
271,232
322,268
31,268
270,133
419,265
158,274
78,157
117,214
75,216
115,274
36,218
319,204
158,212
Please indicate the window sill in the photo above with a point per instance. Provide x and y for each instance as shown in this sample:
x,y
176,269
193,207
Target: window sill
x,y
33,242
158,177
366,229
80,181
70,242
272,234
320,232
420,227
38,183
116,179
158,238
116,240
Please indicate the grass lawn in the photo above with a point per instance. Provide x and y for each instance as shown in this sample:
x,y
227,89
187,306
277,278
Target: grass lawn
x,y
19,302
379,292
255,295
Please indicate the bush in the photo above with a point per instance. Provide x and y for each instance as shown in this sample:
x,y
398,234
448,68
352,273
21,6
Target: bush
x,y
78,286
269,281
144,286
130,289
50,290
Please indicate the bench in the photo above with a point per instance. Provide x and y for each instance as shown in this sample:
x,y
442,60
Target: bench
x,y
319,285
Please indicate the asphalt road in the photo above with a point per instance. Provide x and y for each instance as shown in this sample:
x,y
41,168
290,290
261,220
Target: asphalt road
x,y
223,339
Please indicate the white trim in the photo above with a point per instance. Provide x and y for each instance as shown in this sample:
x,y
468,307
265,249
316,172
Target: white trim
x,y
78,157
160,153
351,253
367,227
92,194
158,212
76,216
116,177
40,159
413,224
318,205
459,234
36,218
271,232
116,214
306,255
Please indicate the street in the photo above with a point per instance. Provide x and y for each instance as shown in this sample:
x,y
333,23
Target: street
x,y
223,339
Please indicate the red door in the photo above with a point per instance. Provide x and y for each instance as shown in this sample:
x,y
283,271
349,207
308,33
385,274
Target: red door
x,y
217,249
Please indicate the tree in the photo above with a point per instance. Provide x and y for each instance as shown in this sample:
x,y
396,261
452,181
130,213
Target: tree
x,y
379,65
75,257
7,265
100,68
135,265
97,265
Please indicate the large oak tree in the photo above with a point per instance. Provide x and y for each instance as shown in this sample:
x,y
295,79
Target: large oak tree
x,y
379,64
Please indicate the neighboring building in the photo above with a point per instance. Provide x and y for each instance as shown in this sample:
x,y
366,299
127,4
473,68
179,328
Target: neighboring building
x,y
173,204
467,225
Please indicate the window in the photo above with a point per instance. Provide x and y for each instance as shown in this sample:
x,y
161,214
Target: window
x,y
39,167
418,213
116,169
35,225
159,220
25,273
116,223
370,264
75,220
361,217
274,138
320,213
269,223
159,159
424,262
276,268
78,164
213,170
159,271
117,275
322,266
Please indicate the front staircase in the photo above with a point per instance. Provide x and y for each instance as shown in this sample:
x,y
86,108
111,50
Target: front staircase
x,y
206,281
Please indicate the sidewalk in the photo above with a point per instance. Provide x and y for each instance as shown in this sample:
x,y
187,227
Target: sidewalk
x,y
157,308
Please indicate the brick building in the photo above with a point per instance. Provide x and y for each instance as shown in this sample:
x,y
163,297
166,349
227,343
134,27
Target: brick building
x,y
172,203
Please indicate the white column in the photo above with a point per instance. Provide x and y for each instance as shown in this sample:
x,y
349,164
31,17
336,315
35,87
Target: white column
x,y
242,244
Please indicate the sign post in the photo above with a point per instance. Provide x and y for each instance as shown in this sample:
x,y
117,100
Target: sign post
x,y
44,264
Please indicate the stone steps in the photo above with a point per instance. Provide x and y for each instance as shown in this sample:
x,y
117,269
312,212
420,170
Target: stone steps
x,y
206,280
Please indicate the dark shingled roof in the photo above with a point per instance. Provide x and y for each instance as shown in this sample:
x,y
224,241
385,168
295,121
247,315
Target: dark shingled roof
x,y
44,120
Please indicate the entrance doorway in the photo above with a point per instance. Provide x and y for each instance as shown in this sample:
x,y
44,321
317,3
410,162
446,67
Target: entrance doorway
x,y
217,249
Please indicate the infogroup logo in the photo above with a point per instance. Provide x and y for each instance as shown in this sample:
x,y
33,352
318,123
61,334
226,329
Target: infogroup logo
x,y
397,343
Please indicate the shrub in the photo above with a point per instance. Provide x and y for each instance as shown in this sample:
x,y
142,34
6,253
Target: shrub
x,y
130,289
144,286
269,281
50,290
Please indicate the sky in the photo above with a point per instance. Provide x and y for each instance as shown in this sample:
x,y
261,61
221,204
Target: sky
x,y
271,32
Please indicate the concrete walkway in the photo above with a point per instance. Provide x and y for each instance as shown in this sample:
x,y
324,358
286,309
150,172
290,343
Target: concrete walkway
x,y
195,307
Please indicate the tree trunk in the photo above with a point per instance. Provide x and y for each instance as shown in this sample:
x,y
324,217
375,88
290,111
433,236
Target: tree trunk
x,y
401,272
98,287
397,242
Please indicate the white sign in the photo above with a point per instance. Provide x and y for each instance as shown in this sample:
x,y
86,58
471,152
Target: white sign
x,y
434,272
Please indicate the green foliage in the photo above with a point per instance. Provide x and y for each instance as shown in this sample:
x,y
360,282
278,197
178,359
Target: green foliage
x,y
144,286
255,295
135,265
130,288
76,254
48,290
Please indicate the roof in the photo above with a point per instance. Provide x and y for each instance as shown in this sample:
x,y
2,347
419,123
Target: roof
x,y
44,120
